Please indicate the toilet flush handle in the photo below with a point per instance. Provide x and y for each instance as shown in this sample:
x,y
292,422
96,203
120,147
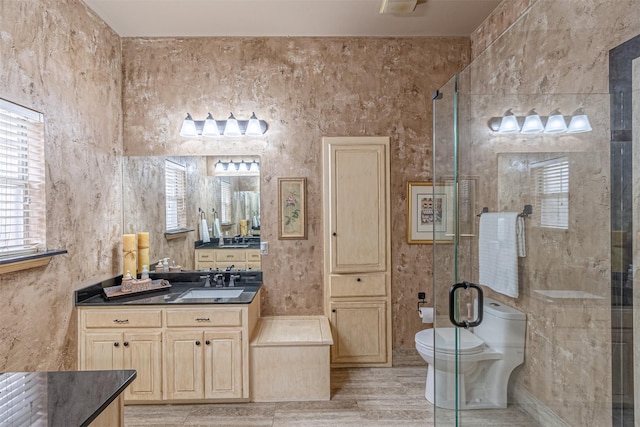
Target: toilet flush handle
x,y
452,303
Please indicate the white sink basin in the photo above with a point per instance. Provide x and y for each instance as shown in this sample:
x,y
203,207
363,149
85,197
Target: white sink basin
x,y
205,293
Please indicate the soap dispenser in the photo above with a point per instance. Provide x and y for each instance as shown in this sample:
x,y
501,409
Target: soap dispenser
x,y
165,265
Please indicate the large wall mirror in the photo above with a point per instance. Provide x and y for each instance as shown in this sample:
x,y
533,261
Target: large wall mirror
x,y
222,188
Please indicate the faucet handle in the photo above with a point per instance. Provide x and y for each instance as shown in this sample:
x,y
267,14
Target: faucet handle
x,y
207,279
233,278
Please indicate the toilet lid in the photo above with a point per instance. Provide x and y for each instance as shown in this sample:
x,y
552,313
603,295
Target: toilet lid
x,y
445,342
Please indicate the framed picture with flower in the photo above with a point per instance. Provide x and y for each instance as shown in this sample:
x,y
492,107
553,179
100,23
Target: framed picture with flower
x,y
292,208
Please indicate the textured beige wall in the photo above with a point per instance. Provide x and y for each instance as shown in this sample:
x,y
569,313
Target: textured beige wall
x,y
58,58
555,56
305,88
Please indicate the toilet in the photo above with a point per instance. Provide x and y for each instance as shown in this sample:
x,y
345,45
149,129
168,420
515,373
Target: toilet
x,y
486,359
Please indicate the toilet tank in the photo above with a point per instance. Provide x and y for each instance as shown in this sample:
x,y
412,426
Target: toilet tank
x,y
502,326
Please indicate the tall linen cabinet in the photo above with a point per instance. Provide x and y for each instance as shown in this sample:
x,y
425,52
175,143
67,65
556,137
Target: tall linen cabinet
x,y
357,250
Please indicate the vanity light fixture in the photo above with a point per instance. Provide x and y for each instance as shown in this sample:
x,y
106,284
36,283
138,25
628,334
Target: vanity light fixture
x,y
231,127
533,123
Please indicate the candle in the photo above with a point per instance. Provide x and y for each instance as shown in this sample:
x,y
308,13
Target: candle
x,y
143,250
129,255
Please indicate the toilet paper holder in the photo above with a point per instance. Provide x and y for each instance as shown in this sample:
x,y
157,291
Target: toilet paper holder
x,y
421,299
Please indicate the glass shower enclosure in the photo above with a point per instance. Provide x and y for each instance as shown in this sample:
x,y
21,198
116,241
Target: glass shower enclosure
x,y
575,193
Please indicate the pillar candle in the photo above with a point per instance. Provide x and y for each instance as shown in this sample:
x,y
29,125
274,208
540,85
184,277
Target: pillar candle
x,y
129,255
143,250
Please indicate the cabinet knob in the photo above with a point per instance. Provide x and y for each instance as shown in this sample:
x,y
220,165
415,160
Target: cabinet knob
x,y
333,310
126,343
197,342
207,342
116,344
334,234
358,280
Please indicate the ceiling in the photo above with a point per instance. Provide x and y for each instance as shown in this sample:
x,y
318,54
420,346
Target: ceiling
x,y
256,18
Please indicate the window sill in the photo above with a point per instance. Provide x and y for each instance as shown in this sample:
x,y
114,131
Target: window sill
x,y
24,262
176,234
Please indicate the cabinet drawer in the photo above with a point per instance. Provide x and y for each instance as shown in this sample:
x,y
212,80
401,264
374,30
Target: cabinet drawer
x,y
131,318
253,266
253,255
230,255
354,285
204,265
205,317
205,255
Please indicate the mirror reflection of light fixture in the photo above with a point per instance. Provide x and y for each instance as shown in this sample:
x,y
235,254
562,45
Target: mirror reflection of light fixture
x,y
532,123
236,166
231,127
555,123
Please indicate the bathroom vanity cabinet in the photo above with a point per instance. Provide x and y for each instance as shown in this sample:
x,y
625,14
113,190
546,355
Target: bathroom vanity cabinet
x,y
196,352
241,259
357,249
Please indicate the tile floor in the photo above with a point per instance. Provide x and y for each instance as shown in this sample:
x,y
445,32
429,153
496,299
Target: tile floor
x,y
359,397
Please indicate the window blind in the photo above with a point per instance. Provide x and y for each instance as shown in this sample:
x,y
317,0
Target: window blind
x,y
22,180
225,200
175,177
551,187
24,401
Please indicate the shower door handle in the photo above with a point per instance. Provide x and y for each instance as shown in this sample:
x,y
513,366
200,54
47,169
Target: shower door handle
x,y
465,323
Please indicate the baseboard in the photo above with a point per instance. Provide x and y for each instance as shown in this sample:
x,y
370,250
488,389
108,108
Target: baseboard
x,y
535,408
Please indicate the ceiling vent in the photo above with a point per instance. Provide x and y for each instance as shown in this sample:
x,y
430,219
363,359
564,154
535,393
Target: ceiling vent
x,y
398,7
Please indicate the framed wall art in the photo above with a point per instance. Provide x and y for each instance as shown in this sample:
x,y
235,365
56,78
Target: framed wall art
x,y
292,208
429,213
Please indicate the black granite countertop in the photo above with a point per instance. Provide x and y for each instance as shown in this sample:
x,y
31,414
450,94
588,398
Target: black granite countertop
x,y
250,282
230,243
65,398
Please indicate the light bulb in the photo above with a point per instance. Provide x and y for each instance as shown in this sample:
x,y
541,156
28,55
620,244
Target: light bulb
x,y
555,124
219,167
210,127
253,127
532,124
231,128
579,124
188,128
509,124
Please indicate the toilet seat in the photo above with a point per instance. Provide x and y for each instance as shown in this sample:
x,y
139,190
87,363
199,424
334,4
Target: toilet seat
x,y
445,341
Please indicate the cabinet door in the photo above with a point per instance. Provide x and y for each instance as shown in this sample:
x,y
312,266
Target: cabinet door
x,y
102,351
142,352
358,207
183,365
359,332
223,364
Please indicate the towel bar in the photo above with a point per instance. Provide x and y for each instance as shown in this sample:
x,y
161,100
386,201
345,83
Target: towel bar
x,y
528,210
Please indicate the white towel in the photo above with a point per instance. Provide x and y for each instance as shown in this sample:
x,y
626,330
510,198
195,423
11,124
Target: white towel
x,y
498,250
216,228
204,231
